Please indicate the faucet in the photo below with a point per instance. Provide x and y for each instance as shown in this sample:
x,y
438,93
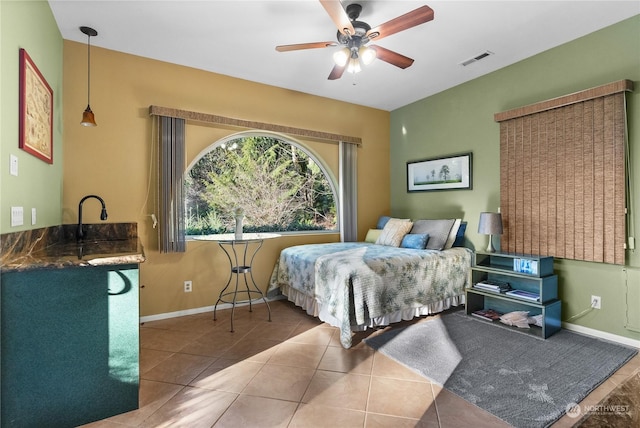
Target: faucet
x,y
103,215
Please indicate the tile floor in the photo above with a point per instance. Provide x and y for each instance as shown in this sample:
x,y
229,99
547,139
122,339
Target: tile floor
x,y
291,372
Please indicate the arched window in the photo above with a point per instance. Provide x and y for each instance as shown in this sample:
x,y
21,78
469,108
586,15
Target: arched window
x,y
279,185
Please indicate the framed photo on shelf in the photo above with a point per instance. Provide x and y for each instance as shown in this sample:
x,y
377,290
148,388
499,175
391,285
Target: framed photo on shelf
x,y
452,172
36,111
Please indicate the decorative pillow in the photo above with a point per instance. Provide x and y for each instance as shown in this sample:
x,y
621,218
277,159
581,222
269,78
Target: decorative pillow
x,y
452,234
459,241
516,318
416,241
393,232
382,221
438,231
536,320
372,235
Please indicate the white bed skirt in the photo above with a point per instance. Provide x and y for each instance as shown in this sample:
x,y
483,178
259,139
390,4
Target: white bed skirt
x,y
310,305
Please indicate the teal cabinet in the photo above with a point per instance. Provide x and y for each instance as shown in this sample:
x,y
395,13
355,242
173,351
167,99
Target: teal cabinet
x,y
70,345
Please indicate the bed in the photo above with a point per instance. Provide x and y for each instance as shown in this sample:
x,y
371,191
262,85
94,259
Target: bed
x,y
359,285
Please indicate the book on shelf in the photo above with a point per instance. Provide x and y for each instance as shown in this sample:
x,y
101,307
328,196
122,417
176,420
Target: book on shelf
x,y
487,314
525,266
524,295
493,285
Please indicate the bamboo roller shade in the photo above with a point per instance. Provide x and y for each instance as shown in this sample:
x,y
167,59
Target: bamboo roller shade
x,y
563,178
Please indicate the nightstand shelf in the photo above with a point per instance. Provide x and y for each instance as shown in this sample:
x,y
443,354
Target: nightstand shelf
x,y
536,279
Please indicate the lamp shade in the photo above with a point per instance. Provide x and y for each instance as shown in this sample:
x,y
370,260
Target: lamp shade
x,y
87,118
340,57
354,66
490,224
367,54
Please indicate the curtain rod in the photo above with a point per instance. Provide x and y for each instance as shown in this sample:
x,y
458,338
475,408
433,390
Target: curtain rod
x,y
228,121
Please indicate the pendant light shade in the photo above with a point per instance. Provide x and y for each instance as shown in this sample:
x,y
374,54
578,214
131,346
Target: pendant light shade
x,y
87,116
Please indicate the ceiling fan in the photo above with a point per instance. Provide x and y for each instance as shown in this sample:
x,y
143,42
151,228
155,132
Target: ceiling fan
x,y
355,35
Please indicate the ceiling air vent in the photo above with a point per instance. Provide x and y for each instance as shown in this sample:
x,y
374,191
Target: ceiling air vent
x,y
476,58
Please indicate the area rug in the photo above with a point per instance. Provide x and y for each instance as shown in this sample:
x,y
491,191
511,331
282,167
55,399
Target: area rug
x,y
523,380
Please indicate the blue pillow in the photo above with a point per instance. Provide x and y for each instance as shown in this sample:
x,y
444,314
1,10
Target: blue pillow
x,y
416,241
382,221
459,242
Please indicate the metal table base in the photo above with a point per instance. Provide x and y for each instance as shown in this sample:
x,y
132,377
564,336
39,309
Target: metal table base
x,y
240,260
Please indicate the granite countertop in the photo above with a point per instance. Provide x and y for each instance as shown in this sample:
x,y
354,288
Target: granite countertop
x,y
56,247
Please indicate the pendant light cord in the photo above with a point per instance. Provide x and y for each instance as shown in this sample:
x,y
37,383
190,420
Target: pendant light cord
x,y
88,68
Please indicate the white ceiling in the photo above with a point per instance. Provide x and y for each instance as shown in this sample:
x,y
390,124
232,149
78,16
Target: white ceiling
x,y
238,38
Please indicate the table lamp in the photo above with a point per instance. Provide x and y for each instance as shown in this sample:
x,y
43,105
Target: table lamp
x,y
490,224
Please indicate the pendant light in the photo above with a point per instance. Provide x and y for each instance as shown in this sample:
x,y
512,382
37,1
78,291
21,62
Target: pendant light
x,y
87,115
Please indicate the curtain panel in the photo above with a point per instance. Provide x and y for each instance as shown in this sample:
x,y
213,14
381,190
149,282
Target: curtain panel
x,y
171,136
563,177
348,192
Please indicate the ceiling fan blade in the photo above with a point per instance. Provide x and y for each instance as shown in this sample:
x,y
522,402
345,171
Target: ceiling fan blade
x,y
392,57
411,19
337,72
299,46
339,16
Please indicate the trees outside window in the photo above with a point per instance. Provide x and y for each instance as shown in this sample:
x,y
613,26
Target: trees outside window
x,y
278,185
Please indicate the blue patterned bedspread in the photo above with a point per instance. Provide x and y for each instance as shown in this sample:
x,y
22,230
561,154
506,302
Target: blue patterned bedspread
x,y
356,281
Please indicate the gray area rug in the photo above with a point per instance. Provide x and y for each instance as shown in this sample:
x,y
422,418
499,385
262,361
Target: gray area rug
x,y
523,380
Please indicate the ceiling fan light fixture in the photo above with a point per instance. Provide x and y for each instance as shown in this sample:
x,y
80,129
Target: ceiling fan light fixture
x,y
352,36
340,57
367,54
354,66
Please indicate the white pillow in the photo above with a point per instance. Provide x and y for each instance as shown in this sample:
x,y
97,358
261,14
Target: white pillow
x,y
393,232
452,234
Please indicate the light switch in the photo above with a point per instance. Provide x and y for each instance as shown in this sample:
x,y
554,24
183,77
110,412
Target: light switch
x,y
33,216
13,165
16,216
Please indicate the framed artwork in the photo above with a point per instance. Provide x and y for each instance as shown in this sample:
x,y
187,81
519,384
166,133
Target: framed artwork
x,y
36,111
446,173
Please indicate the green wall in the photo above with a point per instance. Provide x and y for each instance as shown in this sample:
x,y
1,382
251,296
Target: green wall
x,y
461,120
29,25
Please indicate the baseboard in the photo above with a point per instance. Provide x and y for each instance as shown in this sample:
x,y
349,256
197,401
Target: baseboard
x,y
571,327
602,334
200,310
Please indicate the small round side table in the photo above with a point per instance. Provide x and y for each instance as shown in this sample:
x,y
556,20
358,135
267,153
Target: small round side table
x,y
241,253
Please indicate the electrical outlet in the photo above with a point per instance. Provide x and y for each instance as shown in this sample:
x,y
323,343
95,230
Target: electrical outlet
x,y
596,302
188,286
17,216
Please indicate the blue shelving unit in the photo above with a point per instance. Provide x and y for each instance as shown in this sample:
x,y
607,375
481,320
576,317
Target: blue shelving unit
x,y
527,272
